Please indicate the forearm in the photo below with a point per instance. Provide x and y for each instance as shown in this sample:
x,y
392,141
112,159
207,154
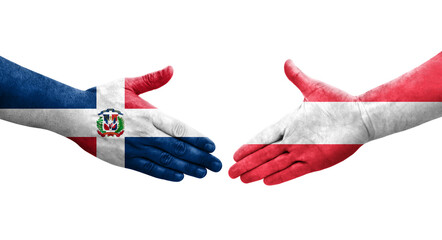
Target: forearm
x,y
23,88
410,100
31,99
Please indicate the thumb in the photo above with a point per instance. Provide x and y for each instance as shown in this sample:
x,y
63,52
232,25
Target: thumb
x,y
304,83
149,81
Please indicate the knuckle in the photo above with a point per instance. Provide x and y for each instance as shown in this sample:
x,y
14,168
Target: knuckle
x,y
202,141
149,117
199,142
202,160
189,169
178,130
165,159
179,148
148,167
155,117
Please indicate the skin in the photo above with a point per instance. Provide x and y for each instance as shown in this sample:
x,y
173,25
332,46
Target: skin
x,y
330,125
292,147
171,159
153,143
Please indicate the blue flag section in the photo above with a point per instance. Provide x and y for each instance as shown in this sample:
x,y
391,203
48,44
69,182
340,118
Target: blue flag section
x,y
23,88
161,154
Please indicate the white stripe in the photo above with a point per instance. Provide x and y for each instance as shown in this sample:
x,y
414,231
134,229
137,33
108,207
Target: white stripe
x,y
111,149
139,123
347,122
66,122
382,118
82,122
391,117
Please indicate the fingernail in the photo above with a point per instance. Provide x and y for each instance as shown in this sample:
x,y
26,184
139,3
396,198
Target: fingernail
x,y
178,177
232,173
200,172
209,147
216,166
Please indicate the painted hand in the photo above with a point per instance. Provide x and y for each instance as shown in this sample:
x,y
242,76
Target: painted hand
x,y
111,122
324,130
154,143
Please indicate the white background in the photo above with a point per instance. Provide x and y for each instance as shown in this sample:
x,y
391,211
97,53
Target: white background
x,y
229,84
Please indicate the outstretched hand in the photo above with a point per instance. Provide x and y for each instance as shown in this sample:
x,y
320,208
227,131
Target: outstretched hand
x,y
324,130
156,144
111,121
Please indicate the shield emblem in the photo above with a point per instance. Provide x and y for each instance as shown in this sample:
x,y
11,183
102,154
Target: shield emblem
x,y
110,123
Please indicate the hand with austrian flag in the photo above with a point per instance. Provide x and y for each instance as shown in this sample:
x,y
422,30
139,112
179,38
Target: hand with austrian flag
x,y
330,125
110,122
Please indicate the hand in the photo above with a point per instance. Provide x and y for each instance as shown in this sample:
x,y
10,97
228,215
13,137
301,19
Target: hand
x,y
111,122
326,129
155,144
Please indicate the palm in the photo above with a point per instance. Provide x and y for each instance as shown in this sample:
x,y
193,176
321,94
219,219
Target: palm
x,y
326,129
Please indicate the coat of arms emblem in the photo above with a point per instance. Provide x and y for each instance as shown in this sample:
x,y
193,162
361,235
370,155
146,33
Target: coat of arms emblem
x,y
110,123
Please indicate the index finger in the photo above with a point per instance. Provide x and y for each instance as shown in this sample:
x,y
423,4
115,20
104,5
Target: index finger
x,y
180,150
178,129
256,159
269,135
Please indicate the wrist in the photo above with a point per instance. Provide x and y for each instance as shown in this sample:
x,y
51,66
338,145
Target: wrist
x,y
366,119
386,118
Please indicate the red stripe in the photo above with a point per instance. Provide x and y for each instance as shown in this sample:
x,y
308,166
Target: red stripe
x,y
423,84
89,144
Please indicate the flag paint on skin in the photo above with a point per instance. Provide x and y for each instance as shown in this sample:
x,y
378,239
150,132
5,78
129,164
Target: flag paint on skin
x,y
411,99
101,120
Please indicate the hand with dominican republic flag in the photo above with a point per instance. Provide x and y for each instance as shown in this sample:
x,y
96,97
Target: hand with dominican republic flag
x,y
110,122
330,125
